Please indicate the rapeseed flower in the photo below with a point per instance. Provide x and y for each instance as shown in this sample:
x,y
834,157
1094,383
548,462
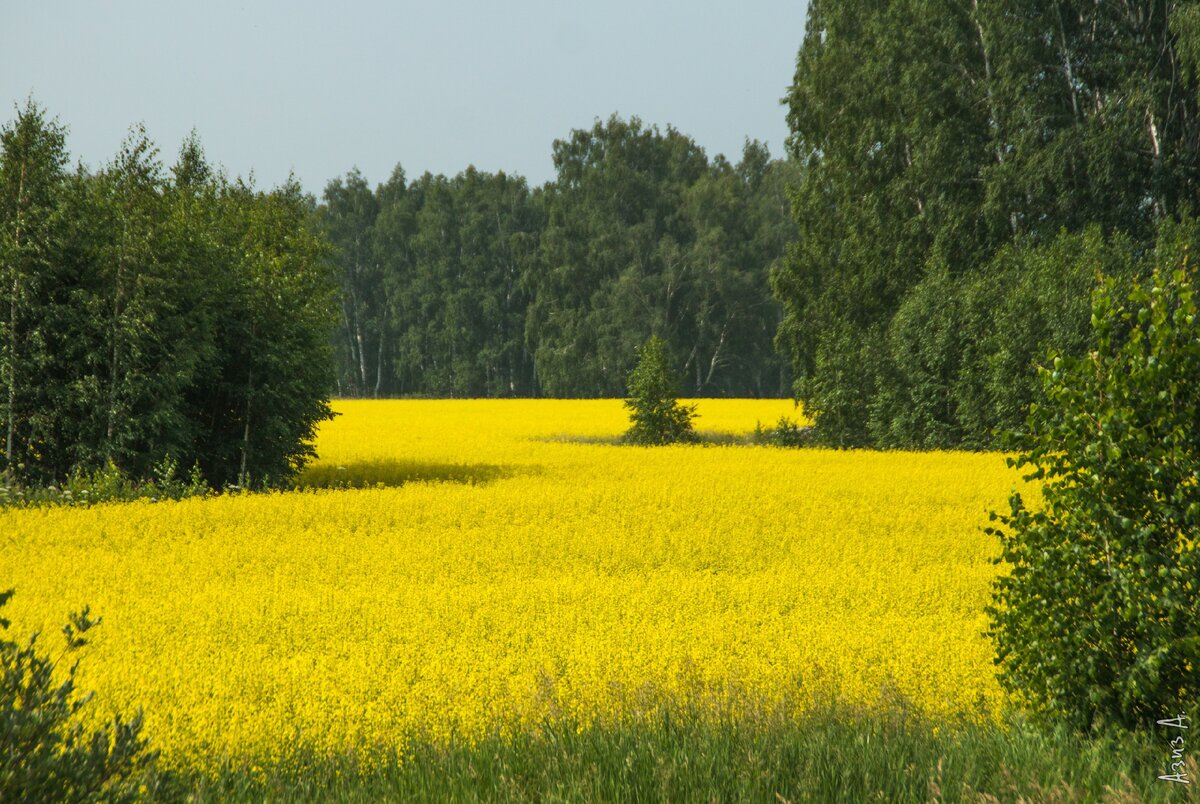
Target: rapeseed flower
x,y
490,566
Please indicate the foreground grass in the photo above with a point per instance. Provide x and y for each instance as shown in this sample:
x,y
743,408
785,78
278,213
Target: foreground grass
x,y
831,757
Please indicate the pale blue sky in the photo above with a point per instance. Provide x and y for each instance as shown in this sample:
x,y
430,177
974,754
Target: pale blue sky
x,y
318,87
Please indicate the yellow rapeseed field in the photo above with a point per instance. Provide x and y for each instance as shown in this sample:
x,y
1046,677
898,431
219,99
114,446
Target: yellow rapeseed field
x,y
500,564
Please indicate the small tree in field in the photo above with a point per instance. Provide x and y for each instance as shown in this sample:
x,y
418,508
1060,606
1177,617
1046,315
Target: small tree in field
x,y
656,415
1098,621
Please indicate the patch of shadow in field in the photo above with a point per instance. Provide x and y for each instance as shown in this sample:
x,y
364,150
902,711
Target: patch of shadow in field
x,y
386,474
702,438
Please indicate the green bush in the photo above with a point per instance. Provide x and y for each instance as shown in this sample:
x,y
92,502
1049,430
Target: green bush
x,y
654,412
110,484
850,367
45,753
915,405
1098,622
1045,306
786,433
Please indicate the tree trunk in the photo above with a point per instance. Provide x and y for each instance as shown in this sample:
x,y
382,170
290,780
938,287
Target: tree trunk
x,y
358,338
350,345
362,358
989,91
1068,72
716,356
379,365
246,430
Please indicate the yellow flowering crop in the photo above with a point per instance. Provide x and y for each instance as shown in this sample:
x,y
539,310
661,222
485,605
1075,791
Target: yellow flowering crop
x,y
501,564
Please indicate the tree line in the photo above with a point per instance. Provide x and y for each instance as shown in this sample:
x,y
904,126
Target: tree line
x,y
479,285
967,169
155,318
957,177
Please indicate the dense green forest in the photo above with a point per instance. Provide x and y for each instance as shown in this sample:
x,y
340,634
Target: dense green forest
x,y
152,319
481,286
967,170
958,176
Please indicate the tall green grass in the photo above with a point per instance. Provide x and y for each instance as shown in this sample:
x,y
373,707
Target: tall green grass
x,y
831,756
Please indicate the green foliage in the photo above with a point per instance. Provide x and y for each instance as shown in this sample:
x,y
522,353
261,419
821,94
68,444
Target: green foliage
x,y
644,234
270,385
1042,304
45,752
478,285
846,377
32,162
786,433
1098,622
915,404
654,412
110,484
146,314
961,352
432,283
952,157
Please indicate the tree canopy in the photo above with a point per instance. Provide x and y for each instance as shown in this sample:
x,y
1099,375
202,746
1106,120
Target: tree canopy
x,y
961,161
479,285
154,315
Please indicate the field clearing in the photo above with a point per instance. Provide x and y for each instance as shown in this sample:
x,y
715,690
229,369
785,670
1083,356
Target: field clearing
x,y
495,574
